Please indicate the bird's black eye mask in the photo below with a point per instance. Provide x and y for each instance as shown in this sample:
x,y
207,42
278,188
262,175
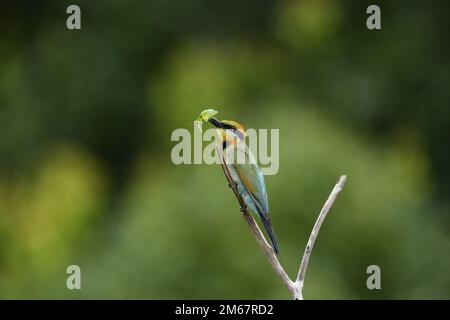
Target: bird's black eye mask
x,y
220,124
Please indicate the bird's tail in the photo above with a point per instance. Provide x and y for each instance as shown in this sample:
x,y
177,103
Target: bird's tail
x,y
268,226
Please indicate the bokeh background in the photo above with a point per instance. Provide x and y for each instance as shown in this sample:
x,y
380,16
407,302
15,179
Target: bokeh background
x,y
85,124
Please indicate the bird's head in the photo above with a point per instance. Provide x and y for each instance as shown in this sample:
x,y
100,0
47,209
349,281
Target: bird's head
x,y
228,130
222,126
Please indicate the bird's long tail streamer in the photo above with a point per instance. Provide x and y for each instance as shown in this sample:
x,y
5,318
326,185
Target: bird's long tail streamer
x,y
271,233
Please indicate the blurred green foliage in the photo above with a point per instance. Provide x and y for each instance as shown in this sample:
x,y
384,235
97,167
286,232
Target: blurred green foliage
x,y
85,170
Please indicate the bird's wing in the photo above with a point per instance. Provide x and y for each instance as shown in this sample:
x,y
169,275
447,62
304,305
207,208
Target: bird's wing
x,y
250,175
252,181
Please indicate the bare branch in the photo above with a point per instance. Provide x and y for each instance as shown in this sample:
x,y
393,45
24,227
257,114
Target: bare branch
x,y
296,288
257,233
269,252
312,238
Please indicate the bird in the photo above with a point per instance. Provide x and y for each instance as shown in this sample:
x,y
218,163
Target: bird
x,y
246,175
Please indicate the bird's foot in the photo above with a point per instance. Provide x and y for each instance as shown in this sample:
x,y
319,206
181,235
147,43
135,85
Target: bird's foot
x,y
243,210
233,185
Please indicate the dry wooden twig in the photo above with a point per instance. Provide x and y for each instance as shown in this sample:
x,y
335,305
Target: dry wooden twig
x,y
296,288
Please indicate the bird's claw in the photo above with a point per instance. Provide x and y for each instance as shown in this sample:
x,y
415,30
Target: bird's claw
x,y
243,210
232,185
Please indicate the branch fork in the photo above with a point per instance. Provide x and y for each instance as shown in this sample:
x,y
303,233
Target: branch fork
x,y
295,287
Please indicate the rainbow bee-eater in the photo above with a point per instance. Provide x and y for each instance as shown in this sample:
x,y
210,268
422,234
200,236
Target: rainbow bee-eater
x,y
243,168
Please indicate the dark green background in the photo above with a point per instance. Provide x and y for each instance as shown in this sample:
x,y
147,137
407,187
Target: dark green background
x,y
85,123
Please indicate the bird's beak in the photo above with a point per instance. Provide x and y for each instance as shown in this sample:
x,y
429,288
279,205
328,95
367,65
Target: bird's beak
x,y
219,124
216,123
